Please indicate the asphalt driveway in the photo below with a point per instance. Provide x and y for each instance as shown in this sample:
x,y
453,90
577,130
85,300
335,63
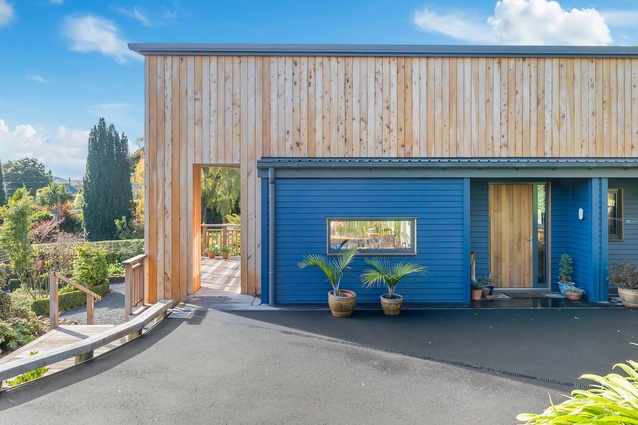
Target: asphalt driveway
x,y
306,367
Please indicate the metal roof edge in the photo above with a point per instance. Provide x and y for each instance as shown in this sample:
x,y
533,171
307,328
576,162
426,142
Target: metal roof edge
x,y
402,50
446,163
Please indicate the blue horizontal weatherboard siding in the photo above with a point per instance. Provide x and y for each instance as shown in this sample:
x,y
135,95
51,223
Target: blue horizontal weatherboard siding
x,y
303,205
574,236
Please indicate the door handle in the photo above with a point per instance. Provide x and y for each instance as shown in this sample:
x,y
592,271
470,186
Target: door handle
x,y
529,239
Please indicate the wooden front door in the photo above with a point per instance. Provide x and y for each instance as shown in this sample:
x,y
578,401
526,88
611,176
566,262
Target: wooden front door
x,y
511,232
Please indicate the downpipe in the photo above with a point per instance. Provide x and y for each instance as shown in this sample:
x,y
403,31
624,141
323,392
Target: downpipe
x,y
271,236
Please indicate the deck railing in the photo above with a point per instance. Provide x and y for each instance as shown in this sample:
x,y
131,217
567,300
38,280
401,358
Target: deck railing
x,y
54,280
135,284
222,235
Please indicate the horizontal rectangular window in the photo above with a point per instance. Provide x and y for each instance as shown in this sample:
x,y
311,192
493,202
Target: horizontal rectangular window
x,y
373,236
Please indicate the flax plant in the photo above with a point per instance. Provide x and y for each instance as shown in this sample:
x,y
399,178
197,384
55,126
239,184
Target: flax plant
x,y
613,399
332,268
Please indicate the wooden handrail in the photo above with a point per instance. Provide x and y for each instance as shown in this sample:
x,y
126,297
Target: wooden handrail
x,y
83,350
224,235
135,284
53,299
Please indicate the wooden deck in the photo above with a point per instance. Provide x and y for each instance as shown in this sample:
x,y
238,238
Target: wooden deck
x,y
61,337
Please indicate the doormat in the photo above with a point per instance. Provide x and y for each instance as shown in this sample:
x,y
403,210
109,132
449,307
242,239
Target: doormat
x,y
552,295
184,314
501,297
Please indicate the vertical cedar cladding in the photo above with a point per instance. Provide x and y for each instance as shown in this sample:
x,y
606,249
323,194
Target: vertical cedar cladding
x,y
232,110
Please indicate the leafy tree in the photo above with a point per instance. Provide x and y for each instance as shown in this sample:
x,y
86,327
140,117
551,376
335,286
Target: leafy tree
x,y
54,196
220,192
138,190
3,194
14,233
27,172
107,183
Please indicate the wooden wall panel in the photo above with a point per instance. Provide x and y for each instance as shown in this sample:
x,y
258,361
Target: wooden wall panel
x,y
232,110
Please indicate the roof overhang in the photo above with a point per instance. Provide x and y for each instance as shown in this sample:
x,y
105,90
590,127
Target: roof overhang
x,y
452,167
397,50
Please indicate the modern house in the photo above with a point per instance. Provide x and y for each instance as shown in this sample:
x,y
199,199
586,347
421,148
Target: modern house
x,y
421,153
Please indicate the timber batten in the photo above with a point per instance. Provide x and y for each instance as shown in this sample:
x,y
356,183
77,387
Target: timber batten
x,y
216,105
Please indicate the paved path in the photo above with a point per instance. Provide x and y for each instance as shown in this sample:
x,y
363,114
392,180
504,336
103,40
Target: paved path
x,y
306,367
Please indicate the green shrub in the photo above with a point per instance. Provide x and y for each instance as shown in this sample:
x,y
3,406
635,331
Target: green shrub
x,y
116,269
612,399
8,338
5,305
41,216
14,284
67,300
90,267
59,257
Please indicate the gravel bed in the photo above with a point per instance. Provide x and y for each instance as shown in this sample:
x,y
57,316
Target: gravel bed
x,y
108,311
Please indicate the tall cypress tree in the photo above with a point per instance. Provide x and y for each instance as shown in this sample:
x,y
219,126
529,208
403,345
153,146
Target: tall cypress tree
x,y
3,194
107,184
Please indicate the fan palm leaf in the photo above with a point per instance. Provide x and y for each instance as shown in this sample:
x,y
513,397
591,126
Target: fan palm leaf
x,y
333,269
389,274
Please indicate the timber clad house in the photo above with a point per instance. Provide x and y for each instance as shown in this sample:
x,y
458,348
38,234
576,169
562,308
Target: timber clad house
x,y
419,153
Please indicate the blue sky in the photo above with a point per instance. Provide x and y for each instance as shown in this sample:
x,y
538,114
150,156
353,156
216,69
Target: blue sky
x,y
65,63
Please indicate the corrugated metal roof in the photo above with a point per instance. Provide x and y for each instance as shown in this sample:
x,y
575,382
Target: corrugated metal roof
x,y
403,50
448,163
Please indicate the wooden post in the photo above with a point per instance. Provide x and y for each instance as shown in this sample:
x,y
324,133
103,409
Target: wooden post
x,y
90,310
53,301
224,236
128,291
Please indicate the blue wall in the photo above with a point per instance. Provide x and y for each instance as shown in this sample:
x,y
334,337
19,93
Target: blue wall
x,y
479,221
628,248
581,239
440,206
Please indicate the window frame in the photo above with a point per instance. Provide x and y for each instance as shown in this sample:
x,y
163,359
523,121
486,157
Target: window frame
x,y
619,236
375,252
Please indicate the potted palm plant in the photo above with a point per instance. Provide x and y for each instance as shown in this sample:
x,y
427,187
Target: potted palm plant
x,y
225,252
565,270
340,301
389,274
477,289
625,277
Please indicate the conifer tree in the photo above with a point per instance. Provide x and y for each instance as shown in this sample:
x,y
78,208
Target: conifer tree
x,y
107,184
3,194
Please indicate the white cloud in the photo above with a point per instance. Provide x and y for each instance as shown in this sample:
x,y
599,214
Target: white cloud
x,y
138,15
63,152
454,24
93,34
37,78
6,13
546,22
534,22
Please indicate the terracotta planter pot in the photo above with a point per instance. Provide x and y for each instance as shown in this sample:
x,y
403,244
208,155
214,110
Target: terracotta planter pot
x,y
391,306
342,306
574,296
211,254
477,294
629,297
225,255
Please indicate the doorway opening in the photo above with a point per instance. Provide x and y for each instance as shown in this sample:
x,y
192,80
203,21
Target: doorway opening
x,y
519,234
220,231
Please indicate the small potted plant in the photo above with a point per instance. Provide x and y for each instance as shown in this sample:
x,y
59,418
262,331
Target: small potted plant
x,y
573,292
389,274
487,283
225,252
211,251
340,301
476,287
625,277
565,270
